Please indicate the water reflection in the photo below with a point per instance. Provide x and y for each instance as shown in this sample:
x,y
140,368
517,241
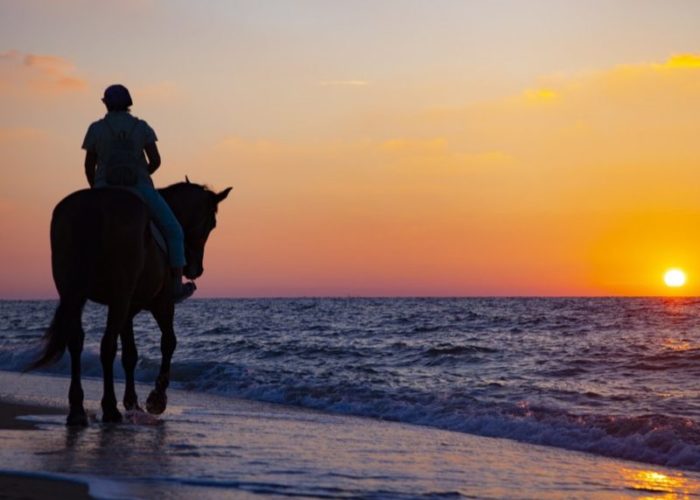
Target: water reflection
x,y
672,484
109,450
676,344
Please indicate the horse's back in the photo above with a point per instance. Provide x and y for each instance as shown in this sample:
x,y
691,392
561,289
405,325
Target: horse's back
x,y
98,242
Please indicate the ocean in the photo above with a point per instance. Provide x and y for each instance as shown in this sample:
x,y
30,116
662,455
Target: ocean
x,y
614,377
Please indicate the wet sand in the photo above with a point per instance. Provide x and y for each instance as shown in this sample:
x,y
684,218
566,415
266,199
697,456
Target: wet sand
x,y
10,411
18,486
211,447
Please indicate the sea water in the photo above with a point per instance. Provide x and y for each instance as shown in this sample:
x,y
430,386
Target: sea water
x,y
617,377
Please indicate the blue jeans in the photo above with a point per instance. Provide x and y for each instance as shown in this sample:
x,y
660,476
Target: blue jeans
x,y
166,221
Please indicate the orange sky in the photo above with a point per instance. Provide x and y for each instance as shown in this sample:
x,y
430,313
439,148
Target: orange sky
x,y
372,154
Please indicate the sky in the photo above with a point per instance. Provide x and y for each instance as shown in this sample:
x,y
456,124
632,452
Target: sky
x,y
377,148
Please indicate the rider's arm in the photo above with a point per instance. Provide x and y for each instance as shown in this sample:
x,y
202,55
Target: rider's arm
x,y
90,164
153,156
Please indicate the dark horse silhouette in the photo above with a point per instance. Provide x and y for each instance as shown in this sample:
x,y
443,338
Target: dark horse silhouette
x,y
102,250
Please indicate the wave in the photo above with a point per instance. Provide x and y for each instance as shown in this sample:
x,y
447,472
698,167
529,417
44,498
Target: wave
x,y
456,350
652,438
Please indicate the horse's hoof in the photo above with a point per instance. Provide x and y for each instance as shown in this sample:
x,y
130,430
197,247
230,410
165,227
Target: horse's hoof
x,y
77,419
156,402
111,416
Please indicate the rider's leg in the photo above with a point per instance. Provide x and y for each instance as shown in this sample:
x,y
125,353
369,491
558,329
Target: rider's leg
x,y
174,237
181,291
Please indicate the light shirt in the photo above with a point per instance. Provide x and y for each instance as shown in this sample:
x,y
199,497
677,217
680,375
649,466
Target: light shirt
x,y
99,139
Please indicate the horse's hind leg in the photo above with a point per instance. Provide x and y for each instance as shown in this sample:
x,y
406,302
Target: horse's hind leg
x,y
164,314
116,321
129,360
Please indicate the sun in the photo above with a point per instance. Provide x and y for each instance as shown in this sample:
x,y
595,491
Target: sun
x,y
674,278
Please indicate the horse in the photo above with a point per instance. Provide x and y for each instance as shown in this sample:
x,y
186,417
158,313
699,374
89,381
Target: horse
x,y
102,250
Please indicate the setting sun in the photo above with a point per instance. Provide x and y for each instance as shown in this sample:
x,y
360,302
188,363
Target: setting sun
x,y
674,278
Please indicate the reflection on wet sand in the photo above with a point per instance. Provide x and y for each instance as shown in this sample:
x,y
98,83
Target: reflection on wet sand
x,y
105,449
656,482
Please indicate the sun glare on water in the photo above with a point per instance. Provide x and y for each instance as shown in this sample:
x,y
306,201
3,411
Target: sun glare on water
x,y
674,278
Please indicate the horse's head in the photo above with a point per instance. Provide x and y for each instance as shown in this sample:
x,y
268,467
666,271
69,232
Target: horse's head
x,y
195,206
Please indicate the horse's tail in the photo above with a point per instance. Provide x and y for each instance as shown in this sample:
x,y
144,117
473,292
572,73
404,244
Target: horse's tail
x,y
65,323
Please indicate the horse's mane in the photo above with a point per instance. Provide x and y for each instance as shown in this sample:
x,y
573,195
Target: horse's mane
x,y
181,188
178,186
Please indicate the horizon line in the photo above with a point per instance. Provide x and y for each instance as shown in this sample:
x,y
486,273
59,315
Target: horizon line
x,y
335,297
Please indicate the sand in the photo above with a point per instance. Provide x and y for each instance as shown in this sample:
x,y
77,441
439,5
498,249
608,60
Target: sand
x,y
18,486
10,411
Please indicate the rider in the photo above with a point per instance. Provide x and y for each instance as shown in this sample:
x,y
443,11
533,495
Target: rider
x,y
98,144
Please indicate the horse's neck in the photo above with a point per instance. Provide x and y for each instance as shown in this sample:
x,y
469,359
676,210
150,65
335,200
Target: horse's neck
x,y
173,202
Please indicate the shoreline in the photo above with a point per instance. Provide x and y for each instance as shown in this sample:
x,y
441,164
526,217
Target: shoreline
x,y
207,445
29,485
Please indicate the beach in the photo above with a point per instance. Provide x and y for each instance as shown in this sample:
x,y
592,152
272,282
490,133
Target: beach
x,y
17,485
216,447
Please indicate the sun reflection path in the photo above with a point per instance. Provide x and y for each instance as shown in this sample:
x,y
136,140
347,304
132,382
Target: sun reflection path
x,y
657,482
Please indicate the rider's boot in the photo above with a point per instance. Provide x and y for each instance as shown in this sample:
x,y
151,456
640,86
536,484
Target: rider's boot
x,y
181,291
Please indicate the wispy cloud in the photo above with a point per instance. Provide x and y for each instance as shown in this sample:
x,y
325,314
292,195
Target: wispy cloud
x,y
24,73
682,61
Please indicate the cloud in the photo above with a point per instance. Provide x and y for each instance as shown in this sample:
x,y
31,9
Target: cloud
x,y
682,61
55,71
630,111
34,74
540,95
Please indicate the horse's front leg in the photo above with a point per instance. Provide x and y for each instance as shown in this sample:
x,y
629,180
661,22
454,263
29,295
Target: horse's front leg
x,y
129,360
116,321
164,315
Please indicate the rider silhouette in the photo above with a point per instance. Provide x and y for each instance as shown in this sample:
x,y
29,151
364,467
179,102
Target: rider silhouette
x,y
98,144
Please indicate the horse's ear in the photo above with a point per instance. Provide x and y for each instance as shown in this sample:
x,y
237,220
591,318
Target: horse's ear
x,y
187,180
223,194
